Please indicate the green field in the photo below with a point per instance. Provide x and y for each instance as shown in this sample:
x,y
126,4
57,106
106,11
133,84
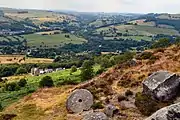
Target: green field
x,y
135,32
12,38
59,78
52,40
140,30
130,37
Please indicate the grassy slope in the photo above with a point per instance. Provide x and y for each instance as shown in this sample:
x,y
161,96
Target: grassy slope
x,y
7,97
50,103
37,16
51,40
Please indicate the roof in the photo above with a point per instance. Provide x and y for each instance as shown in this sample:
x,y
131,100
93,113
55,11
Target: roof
x,y
157,78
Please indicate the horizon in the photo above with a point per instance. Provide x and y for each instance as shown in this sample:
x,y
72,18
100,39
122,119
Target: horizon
x,y
66,10
97,6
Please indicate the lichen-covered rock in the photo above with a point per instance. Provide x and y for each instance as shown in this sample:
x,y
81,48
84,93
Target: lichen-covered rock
x,y
161,85
96,116
79,100
111,110
167,113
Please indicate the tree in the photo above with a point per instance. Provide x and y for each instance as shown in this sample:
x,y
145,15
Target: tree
x,y
73,69
87,70
46,82
21,70
12,86
161,43
177,40
22,83
105,62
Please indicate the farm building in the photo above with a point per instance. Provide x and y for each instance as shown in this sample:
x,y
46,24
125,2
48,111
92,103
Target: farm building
x,y
35,71
161,85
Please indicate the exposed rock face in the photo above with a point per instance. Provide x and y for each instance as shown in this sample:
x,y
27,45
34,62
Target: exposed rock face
x,y
161,85
111,110
79,100
96,116
168,113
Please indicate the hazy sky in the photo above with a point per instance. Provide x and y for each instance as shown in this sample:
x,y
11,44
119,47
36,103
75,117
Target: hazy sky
x,y
135,6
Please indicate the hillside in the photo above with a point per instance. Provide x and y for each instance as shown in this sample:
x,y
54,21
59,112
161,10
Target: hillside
x,y
36,16
50,103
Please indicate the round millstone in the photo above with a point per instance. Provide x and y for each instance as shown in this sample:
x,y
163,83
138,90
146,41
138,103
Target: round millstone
x,y
96,116
79,100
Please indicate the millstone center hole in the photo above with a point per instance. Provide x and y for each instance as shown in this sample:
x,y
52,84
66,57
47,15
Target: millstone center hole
x,y
80,100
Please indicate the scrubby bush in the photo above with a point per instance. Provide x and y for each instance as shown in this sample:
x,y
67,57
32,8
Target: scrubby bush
x,y
67,81
128,93
73,69
13,86
1,108
144,56
22,83
121,98
101,70
46,82
97,105
21,70
159,50
146,104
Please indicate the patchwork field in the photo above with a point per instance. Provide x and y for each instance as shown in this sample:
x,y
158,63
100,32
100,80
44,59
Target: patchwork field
x,y
141,30
21,59
55,40
142,22
136,32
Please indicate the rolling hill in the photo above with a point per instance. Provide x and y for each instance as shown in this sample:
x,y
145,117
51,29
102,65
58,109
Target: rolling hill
x,y
49,103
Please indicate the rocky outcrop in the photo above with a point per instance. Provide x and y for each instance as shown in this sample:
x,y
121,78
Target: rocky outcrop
x,y
111,110
167,113
161,85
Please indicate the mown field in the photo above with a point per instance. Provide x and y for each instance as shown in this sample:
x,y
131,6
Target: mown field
x,y
60,78
22,59
55,40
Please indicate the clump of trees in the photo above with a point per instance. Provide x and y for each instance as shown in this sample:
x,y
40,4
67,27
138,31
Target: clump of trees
x,y
46,82
87,70
14,86
73,69
21,70
22,83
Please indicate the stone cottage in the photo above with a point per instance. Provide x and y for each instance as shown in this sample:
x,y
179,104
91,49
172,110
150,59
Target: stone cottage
x,y
161,85
35,71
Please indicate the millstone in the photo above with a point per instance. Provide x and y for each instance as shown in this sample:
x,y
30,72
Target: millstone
x,y
96,116
79,100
